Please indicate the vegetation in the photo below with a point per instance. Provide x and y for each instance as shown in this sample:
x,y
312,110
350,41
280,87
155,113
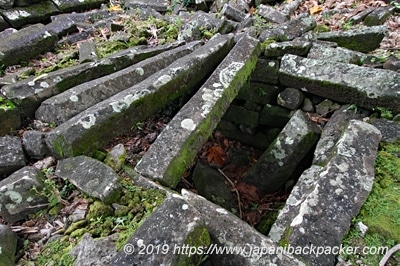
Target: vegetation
x,y
381,211
101,220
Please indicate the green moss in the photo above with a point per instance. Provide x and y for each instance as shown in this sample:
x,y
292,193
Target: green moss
x,y
381,211
56,253
285,239
198,238
6,104
321,28
99,209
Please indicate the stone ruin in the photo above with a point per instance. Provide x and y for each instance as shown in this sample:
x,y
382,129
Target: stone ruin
x,y
257,92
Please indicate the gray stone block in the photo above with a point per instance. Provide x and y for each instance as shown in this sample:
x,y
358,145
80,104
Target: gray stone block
x,y
338,54
270,14
332,131
91,176
290,29
33,143
88,52
310,218
241,116
65,105
18,198
6,4
233,13
266,71
20,16
26,44
12,155
378,16
78,5
363,86
178,144
282,157
364,39
278,49
62,25
173,226
91,129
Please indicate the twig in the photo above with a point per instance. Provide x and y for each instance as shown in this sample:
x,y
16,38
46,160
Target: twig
x,y
234,189
389,254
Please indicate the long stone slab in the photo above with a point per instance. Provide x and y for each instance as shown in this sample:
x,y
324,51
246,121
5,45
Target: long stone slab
x,y
67,104
28,94
282,157
176,147
319,210
25,44
242,244
173,228
363,86
98,124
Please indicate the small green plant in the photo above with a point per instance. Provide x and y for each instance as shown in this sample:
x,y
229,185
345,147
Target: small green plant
x,y
385,113
347,25
2,69
396,5
353,107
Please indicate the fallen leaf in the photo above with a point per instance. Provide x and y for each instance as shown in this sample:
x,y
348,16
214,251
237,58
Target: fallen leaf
x,y
315,9
115,8
216,155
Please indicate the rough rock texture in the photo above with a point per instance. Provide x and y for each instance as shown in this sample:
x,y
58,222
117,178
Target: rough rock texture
x,y
290,29
172,226
211,184
282,157
91,251
78,5
8,245
227,230
116,157
390,129
290,98
10,119
12,155
331,133
25,44
158,5
91,176
363,39
33,143
270,14
40,12
310,218
336,54
64,106
177,146
365,87
17,195
91,129
266,71
28,94
281,48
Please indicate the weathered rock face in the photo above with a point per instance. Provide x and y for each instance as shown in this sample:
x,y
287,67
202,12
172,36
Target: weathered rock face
x,y
12,155
310,218
347,83
282,157
365,39
174,225
17,195
91,176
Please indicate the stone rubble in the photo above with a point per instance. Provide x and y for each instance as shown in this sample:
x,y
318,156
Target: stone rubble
x,y
229,84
